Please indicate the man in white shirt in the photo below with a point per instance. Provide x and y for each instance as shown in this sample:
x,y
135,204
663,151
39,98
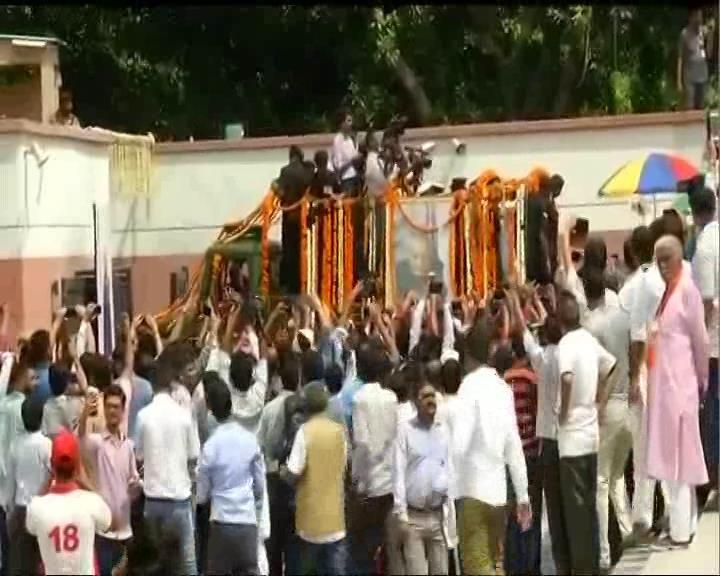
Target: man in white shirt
x,y
23,381
705,265
422,477
167,444
583,363
376,184
65,520
544,361
374,416
246,375
28,472
610,325
345,155
485,440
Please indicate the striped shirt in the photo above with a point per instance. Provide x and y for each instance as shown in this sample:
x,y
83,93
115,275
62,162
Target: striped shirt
x,y
524,386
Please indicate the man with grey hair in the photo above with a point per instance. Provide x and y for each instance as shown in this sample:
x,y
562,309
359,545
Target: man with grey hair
x,y
678,360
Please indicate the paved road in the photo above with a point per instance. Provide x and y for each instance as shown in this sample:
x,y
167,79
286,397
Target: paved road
x,y
703,556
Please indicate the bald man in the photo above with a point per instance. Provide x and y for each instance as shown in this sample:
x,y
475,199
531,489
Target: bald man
x,y
678,353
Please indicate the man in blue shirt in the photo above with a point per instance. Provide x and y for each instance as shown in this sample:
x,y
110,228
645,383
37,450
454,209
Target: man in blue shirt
x,y
231,476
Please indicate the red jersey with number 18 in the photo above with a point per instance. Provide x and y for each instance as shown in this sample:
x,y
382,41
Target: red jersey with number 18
x,y
65,521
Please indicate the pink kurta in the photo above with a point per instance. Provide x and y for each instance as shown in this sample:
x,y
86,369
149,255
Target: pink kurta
x,y
676,379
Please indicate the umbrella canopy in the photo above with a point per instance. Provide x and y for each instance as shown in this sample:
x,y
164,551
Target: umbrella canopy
x,y
655,173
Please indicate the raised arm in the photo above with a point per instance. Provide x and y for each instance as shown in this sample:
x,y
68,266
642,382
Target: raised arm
x,y
150,319
416,325
79,371
228,340
448,342
55,330
348,304
4,326
385,333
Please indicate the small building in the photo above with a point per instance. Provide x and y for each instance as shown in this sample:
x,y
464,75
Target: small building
x,y
29,77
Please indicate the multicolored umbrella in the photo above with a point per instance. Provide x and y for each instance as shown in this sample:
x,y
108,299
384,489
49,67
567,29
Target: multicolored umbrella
x,y
656,173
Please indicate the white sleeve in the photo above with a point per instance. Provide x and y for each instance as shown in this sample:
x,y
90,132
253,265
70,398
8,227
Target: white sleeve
x,y
219,362
448,342
138,439
258,390
575,285
337,156
31,517
398,477
101,513
535,352
203,475
361,450
193,440
514,456
705,268
639,311
7,364
298,455
566,357
416,325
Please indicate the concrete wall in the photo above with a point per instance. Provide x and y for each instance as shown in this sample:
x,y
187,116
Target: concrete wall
x,y
198,186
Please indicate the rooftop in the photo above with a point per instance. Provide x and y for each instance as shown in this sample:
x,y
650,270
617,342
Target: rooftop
x,y
31,41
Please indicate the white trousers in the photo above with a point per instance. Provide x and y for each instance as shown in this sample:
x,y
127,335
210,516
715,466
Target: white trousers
x,y
644,493
616,440
683,511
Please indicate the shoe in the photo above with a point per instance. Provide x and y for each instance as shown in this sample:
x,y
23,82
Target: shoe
x,y
667,544
641,536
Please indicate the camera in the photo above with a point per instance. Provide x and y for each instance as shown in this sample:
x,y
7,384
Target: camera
x,y
435,286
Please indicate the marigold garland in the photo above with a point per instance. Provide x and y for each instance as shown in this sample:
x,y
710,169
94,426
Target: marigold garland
x,y
327,243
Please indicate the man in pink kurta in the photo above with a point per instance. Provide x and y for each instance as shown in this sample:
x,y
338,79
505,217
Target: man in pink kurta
x,y
678,370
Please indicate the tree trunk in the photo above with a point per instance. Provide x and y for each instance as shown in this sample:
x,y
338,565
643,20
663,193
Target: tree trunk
x,y
535,97
566,85
411,83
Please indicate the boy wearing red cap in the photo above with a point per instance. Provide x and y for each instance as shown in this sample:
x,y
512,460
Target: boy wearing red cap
x,y
65,520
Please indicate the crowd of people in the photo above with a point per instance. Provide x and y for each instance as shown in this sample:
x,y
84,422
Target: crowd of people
x,y
356,168
417,438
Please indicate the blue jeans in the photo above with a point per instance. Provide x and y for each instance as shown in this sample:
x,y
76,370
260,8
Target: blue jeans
x,y
109,553
177,514
522,549
329,559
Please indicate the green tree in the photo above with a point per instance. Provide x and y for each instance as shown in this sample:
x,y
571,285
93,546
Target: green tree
x,y
182,71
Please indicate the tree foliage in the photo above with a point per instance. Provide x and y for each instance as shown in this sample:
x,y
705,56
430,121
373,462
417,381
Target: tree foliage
x,y
190,70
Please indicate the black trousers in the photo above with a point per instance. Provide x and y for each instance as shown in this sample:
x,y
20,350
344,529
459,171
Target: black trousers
x,y
24,554
202,529
578,484
280,546
367,518
232,549
550,467
290,269
4,543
